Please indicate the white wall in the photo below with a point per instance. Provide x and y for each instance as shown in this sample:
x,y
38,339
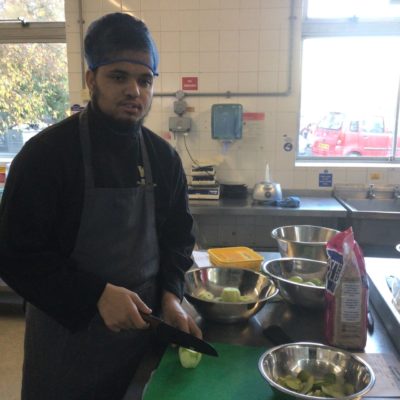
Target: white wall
x,y
230,45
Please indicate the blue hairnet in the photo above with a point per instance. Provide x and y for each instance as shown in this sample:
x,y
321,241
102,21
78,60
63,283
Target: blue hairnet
x,y
114,33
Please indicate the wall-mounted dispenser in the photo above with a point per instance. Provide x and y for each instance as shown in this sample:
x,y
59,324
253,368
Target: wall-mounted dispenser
x,y
180,124
226,122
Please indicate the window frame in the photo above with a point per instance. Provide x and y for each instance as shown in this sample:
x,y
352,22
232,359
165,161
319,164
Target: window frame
x,y
351,27
33,32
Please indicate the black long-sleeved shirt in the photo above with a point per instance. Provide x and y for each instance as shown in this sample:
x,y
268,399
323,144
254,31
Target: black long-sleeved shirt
x,y
42,204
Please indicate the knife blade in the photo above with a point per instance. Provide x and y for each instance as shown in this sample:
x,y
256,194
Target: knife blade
x,y
176,336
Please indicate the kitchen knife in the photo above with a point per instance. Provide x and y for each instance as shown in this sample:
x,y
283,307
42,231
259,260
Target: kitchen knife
x,y
173,335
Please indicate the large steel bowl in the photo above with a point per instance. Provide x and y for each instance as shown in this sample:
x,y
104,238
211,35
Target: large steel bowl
x,y
303,241
282,269
318,360
258,288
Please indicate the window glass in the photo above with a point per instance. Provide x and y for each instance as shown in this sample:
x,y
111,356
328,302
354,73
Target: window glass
x,y
368,9
32,10
33,91
349,96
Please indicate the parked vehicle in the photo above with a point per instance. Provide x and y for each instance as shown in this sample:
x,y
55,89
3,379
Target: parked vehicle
x,y
339,135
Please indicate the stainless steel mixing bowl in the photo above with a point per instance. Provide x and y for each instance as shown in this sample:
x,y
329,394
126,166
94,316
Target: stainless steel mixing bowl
x,y
256,287
282,269
318,360
304,241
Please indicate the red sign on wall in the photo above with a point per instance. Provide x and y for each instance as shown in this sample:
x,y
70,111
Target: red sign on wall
x,y
190,83
253,116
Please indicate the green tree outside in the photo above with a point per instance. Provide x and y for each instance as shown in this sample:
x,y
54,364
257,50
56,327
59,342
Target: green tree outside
x,y
33,76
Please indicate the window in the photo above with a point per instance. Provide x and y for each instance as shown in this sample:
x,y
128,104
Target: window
x,y
350,88
33,70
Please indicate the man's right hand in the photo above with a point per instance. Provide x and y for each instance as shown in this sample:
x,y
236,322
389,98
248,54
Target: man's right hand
x,y
119,308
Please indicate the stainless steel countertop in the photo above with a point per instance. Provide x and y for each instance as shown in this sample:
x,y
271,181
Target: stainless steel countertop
x,y
380,295
309,206
300,324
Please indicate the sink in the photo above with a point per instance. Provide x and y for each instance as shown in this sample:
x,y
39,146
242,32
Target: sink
x,y
372,205
375,220
355,199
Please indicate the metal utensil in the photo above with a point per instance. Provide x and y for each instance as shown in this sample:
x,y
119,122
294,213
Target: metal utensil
x,y
169,334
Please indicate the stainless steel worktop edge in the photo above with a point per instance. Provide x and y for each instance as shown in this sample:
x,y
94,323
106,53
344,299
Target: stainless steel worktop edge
x,y
309,206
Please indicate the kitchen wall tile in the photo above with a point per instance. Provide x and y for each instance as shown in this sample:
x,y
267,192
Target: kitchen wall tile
x,y
299,178
227,4
248,81
170,82
269,39
169,4
229,40
169,41
249,19
209,61
209,4
248,61
393,176
354,175
209,20
71,7
91,6
249,40
189,20
170,21
229,19
228,81
73,43
74,62
209,41
271,3
75,81
229,62
170,62
249,4
152,19
189,4
267,81
189,62
269,61
285,178
110,6
339,175
272,19
150,4
130,5
72,23
208,82
189,41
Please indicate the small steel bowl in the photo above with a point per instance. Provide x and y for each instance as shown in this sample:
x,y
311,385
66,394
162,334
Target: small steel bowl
x,y
257,286
317,359
303,241
281,269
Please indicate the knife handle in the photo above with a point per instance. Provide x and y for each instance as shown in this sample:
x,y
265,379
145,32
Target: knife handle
x,y
151,319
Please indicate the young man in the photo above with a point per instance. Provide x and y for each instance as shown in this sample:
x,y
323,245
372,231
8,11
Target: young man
x,y
95,228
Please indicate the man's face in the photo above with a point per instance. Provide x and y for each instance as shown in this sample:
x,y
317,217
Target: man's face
x,y
123,90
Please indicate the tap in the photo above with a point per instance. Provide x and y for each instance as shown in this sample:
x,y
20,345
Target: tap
x,y
396,192
371,192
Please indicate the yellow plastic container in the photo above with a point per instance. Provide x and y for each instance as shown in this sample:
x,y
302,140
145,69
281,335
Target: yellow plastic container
x,y
240,257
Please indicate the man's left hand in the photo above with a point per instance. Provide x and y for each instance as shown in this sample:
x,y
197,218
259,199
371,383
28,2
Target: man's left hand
x,y
175,315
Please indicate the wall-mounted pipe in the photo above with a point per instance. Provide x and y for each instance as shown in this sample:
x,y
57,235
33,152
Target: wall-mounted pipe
x,y
81,22
227,94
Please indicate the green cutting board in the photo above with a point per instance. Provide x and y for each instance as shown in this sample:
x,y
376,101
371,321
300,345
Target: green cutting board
x,y
234,375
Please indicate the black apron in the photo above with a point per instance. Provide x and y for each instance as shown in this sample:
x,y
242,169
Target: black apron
x,y
117,240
